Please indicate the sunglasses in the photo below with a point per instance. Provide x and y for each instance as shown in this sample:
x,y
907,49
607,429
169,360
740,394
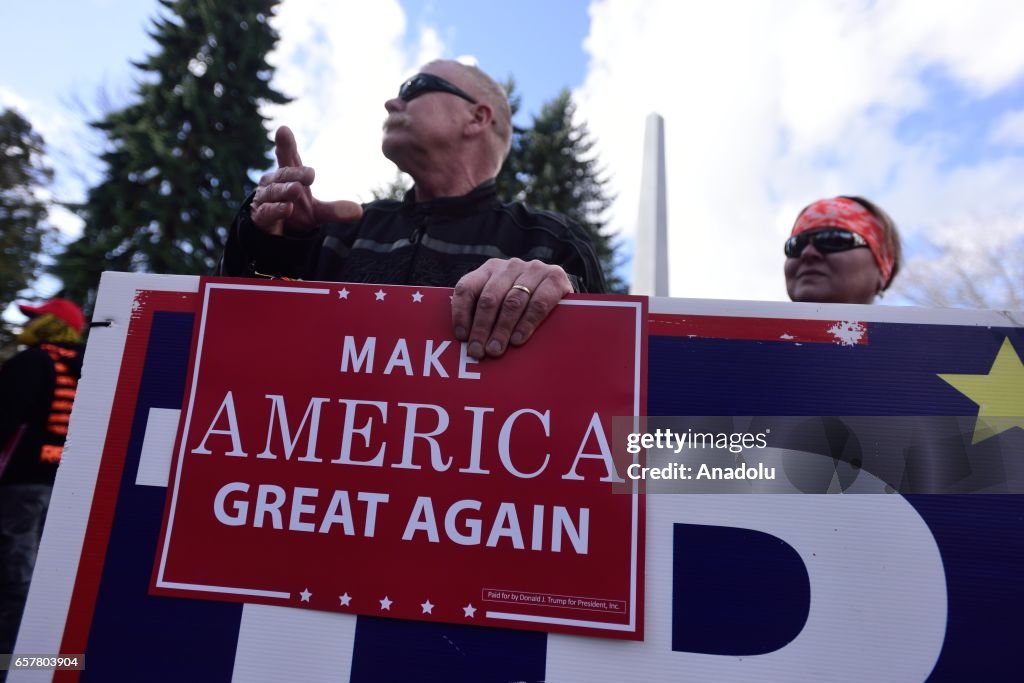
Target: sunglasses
x,y
420,84
826,241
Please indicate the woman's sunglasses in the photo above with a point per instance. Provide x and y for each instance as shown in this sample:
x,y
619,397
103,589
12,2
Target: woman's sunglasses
x,y
826,241
421,84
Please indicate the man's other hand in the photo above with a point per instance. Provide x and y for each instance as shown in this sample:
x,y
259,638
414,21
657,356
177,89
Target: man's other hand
x,y
284,200
503,301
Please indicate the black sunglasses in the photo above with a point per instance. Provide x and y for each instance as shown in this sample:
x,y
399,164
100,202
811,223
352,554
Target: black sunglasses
x,y
826,241
421,84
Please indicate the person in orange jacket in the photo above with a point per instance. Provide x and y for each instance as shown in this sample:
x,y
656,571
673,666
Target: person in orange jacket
x,y
37,391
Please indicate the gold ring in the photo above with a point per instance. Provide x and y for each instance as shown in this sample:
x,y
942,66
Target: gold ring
x,y
522,288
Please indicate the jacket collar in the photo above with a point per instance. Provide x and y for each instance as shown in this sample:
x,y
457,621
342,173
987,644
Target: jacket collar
x,y
477,198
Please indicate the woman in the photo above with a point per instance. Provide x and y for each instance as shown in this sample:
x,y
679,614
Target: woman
x,y
842,250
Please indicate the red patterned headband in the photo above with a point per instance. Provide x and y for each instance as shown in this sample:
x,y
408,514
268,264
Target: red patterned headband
x,y
840,212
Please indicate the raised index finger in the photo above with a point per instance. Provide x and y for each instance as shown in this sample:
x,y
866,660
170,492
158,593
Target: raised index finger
x,y
285,148
289,174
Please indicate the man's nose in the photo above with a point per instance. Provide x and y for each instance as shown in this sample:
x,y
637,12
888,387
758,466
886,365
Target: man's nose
x,y
394,104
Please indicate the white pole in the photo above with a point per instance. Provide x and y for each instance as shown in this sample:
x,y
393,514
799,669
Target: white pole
x,y
650,259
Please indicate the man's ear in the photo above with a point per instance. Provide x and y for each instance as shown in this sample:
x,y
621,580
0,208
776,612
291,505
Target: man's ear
x,y
483,117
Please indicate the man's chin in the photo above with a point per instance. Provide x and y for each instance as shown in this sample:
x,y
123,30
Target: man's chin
x,y
389,147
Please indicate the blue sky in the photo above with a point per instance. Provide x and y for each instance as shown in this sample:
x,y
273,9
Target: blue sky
x,y
91,47
768,106
506,46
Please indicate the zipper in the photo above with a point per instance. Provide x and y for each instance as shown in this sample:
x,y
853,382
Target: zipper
x,y
414,239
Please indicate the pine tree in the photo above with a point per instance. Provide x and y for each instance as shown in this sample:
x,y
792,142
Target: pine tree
x,y
552,166
395,189
23,211
509,183
178,160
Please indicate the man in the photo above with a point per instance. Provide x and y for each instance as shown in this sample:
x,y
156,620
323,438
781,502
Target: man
x,y
450,129
37,388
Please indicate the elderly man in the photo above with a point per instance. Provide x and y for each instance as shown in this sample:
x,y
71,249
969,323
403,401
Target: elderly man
x,y
450,129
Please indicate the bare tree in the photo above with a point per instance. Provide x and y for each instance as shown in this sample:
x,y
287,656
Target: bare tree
x,y
974,263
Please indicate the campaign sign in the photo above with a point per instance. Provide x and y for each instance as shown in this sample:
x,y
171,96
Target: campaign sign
x,y
339,450
739,587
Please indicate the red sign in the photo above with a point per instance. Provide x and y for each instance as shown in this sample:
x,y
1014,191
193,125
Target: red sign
x,y
339,450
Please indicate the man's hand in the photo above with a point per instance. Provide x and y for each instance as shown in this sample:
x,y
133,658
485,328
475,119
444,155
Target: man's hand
x,y
284,200
503,302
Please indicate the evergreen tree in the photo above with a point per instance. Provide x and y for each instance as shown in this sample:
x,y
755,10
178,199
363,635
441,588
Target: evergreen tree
x,y
395,189
178,160
509,183
23,212
552,166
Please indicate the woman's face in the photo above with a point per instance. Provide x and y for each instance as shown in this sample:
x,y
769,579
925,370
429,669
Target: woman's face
x,y
842,277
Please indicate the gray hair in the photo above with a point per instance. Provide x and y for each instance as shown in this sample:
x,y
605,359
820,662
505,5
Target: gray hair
x,y
495,96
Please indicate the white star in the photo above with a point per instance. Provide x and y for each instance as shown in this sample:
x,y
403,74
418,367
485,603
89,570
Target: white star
x,y
345,599
417,297
380,294
469,610
343,294
428,607
305,595
385,604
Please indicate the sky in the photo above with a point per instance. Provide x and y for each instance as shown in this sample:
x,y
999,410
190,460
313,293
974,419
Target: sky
x,y
918,105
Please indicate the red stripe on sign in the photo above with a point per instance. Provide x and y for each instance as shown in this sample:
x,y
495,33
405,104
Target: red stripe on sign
x,y
108,479
845,332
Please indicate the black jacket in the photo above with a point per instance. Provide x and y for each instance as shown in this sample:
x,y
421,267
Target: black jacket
x,y
37,389
408,243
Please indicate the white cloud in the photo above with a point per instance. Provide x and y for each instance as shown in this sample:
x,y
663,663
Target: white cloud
x,y
63,134
431,46
12,100
1009,130
68,222
769,106
341,60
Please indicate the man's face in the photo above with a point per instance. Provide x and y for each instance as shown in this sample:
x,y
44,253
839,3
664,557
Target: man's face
x,y
844,277
430,122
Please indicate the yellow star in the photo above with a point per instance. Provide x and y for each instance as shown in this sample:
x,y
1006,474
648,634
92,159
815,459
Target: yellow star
x,y
999,394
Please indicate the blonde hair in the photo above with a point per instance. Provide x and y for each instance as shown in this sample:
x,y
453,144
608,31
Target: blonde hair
x,y
892,236
47,328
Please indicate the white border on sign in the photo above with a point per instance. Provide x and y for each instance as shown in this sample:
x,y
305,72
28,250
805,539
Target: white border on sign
x,y
60,551
866,313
